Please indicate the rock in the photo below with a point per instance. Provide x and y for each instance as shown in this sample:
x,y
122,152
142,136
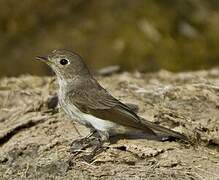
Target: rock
x,y
35,140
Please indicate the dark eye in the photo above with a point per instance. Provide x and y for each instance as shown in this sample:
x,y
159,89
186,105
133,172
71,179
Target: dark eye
x,y
63,62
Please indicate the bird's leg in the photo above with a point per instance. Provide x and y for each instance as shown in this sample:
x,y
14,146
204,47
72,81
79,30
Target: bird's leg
x,y
94,140
104,136
99,138
92,133
82,143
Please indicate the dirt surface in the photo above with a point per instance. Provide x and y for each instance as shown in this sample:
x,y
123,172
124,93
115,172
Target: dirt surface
x,y
35,136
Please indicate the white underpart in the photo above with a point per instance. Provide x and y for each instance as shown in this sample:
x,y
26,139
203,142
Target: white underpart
x,y
90,120
87,119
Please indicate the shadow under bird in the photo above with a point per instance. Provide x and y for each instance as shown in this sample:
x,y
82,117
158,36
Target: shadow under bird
x,y
87,102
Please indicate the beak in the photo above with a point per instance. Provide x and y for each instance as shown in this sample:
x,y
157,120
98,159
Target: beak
x,y
42,58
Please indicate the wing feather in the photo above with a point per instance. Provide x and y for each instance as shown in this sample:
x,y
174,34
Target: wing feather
x,y
102,105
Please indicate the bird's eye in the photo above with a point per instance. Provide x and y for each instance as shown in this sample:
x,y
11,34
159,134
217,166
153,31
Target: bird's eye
x,y
64,62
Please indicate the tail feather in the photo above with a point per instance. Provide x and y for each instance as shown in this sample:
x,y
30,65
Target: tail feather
x,y
164,131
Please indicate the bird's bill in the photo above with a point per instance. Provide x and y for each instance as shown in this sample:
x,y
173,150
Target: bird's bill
x,y
42,58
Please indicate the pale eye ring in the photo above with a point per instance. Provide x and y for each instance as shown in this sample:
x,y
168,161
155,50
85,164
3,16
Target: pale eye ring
x,y
64,62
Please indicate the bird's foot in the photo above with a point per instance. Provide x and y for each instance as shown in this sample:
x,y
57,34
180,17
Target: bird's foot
x,y
86,148
83,143
91,140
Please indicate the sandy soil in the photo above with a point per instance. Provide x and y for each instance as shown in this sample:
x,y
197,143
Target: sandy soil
x,y
35,136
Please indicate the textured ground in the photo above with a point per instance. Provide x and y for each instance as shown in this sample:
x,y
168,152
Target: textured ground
x,y
35,139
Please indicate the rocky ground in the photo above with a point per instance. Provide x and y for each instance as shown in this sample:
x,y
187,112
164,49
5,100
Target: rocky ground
x,y
35,136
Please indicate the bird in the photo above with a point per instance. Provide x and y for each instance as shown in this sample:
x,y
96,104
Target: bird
x,y
88,103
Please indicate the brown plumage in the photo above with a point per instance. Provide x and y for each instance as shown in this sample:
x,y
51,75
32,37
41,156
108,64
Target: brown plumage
x,y
84,100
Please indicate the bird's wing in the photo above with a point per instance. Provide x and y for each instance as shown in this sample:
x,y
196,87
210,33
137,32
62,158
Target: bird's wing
x,y
99,103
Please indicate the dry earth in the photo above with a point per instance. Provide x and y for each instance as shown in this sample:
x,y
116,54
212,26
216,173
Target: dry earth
x,y
35,137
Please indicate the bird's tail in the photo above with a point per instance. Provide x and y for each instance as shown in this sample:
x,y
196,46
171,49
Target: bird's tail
x,y
167,133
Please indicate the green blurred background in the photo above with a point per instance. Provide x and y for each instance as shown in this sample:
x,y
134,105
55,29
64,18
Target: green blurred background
x,y
147,35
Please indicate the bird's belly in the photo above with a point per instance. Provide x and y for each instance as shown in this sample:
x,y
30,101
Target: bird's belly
x,y
74,113
100,124
88,119
92,121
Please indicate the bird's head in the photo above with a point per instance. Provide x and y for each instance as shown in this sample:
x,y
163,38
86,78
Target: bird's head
x,y
66,64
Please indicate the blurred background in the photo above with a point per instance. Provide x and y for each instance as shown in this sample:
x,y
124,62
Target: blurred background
x,y
147,35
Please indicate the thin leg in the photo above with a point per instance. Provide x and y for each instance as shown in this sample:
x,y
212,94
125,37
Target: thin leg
x,y
92,132
104,135
82,143
76,129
